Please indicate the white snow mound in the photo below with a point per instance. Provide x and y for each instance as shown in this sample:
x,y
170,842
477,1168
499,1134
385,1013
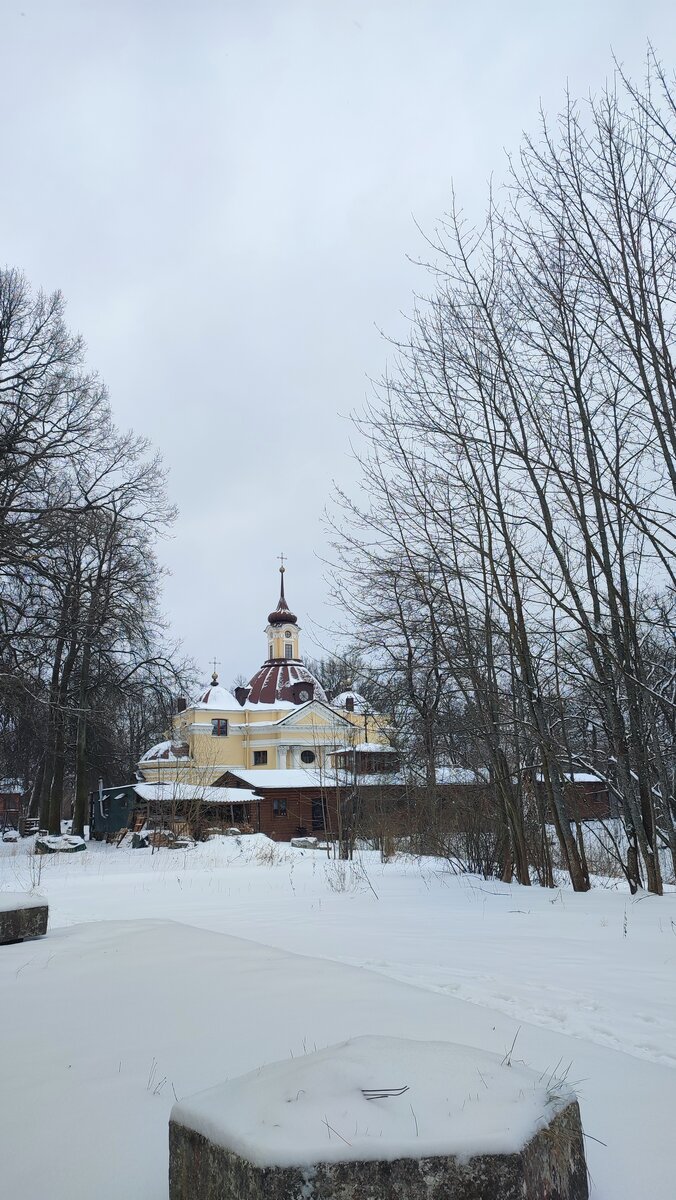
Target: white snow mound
x,y
10,901
332,1106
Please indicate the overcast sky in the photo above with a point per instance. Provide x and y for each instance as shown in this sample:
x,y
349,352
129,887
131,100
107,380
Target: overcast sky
x,y
226,194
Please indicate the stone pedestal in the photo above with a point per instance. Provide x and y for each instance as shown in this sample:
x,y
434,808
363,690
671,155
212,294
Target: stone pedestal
x,y
550,1167
61,844
21,917
460,1124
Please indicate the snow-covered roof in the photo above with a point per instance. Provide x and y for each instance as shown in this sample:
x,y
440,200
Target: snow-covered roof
x,y
340,701
370,748
375,779
575,777
411,778
386,1098
291,777
460,775
193,793
167,751
216,697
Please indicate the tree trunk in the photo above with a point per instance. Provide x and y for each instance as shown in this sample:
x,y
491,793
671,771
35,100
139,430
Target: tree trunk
x,y
81,788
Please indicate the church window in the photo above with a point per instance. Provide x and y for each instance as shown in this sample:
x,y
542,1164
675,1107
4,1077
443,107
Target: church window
x,y
271,650
260,758
279,808
288,651
307,756
219,727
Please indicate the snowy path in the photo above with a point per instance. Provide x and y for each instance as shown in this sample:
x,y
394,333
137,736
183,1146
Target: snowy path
x,y
89,1010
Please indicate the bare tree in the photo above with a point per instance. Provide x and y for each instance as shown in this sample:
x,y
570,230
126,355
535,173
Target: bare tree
x,y
518,476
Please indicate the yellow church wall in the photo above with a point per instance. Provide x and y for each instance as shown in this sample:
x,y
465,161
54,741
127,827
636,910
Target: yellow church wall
x,y
372,727
238,746
277,638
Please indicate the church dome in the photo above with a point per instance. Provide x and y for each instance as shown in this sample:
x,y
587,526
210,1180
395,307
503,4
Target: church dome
x,y
282,615
216,696
289,682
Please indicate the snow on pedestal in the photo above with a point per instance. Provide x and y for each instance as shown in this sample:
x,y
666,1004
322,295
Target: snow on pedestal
x,y
377,1118
64,843
22,916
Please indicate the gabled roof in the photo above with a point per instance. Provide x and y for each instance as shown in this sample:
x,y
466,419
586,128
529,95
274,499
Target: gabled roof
x,y
193,793
266,778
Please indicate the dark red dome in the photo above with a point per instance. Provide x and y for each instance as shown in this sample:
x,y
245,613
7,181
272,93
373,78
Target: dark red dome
x,y
289,681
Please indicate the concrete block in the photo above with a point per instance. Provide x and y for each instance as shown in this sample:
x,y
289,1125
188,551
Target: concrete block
x,y
323,1128
22,916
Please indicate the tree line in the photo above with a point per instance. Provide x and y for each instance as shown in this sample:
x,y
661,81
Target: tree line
x,y
509,558
86,668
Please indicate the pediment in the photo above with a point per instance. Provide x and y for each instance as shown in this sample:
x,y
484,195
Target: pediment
x,y
317,715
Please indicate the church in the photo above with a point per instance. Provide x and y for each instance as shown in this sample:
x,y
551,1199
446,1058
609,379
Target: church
x,y
274,756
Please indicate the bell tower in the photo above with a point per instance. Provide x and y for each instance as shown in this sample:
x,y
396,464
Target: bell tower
x,y
283,679
282,629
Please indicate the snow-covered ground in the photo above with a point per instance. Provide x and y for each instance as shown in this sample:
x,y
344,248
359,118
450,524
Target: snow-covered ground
x,y
164,974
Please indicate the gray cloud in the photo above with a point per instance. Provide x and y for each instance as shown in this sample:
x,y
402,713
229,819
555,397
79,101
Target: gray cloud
x,y
226,195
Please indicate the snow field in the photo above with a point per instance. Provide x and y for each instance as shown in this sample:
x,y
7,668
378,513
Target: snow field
x,y
165,974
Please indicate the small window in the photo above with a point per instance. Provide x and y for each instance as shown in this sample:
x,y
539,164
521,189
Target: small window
x,y
260,758
307,756
219,727
279,808
288,651
271,650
